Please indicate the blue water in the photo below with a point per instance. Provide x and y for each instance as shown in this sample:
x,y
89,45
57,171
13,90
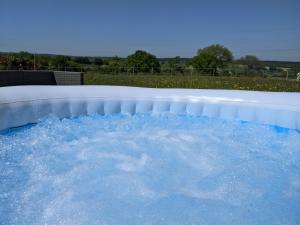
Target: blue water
x,y
149,169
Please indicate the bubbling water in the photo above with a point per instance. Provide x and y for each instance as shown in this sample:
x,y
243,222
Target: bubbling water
x,y
149,169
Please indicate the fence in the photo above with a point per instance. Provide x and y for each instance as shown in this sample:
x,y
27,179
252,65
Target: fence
x,y
156,80
285,73
16,77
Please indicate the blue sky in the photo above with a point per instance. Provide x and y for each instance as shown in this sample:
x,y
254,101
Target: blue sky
x,y
269,29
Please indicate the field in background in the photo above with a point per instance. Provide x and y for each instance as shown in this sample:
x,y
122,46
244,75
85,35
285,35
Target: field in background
x,y
199,82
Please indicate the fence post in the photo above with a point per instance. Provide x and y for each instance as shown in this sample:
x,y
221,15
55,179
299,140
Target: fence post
x,y
34,62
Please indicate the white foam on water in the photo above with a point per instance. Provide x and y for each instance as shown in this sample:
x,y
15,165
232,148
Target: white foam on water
x,y
149,169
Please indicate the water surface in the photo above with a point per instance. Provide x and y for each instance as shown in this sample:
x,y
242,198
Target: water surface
x,y
149,169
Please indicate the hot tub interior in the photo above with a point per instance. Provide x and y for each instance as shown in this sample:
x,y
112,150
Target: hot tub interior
x,y
149,169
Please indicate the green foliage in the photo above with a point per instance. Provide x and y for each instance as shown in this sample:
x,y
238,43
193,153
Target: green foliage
x,y
275,64
60,61
73,66
142,61
214,56
203,82
21,60
251,61
115,61
176,66
82,60
98,61
115,64
42,62
4,59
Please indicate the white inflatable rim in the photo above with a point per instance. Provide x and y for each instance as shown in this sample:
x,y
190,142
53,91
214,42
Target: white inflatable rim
x,y
21,105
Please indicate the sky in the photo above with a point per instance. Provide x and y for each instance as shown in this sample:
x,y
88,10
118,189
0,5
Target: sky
x,y
269,29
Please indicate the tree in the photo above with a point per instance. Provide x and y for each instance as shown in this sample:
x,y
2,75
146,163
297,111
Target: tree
x,y
115,65
251,61
21,60
60,61
42,62
115,62
142,61
176,65
98,61
212,58
82,60
3,61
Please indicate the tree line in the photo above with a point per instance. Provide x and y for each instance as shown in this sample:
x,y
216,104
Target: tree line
x,y
214,60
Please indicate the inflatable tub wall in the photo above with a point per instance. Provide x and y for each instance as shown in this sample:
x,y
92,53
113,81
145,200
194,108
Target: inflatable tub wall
x,y
21,105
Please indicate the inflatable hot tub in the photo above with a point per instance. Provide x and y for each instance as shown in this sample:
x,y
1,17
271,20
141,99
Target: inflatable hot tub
x,y
21,105
124,155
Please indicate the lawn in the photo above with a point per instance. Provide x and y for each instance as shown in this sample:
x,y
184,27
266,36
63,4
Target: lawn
x,y
199,82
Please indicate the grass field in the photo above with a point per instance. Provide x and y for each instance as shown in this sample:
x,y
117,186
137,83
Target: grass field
x,y
199,82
